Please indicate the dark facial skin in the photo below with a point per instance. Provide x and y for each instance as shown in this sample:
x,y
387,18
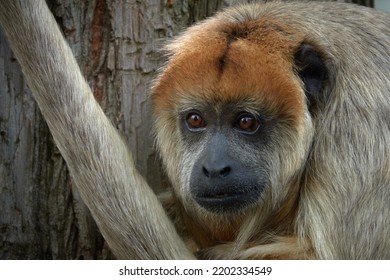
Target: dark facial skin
x,y
228,175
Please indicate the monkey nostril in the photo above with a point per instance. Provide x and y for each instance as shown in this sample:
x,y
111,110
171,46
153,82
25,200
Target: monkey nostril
x,y
216,172
225,171
205,172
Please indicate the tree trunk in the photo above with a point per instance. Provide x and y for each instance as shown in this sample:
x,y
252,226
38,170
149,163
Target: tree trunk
x,y
116,43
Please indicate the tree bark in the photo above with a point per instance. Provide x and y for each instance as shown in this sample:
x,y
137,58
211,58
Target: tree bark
x,y
116,43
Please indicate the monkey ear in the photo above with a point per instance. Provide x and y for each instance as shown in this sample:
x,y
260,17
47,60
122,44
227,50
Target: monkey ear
x,y
313,73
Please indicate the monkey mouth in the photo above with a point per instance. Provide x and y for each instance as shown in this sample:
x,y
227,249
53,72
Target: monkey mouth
x,y
229,200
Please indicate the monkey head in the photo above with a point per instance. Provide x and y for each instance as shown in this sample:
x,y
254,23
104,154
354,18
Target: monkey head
x,y
234,111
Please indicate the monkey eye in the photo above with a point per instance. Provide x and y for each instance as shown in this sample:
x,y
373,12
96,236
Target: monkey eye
x,y
247,123
195,122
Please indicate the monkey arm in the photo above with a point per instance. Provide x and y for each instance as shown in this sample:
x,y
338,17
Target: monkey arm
x,y
126,210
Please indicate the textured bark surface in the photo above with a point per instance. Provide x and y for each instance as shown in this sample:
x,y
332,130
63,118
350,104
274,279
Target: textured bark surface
x,y
116,43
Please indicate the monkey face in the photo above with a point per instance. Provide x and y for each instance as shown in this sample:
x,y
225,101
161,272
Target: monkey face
x,y
227,157
233,114
239,153
227,176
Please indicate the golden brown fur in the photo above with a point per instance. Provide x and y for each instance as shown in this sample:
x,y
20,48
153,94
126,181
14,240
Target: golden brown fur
x,y
326,165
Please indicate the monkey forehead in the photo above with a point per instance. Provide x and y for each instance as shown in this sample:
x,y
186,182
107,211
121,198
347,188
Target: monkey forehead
x,y
220,61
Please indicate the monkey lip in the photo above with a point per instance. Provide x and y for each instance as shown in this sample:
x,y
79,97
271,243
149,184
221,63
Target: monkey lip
x,y
227,201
